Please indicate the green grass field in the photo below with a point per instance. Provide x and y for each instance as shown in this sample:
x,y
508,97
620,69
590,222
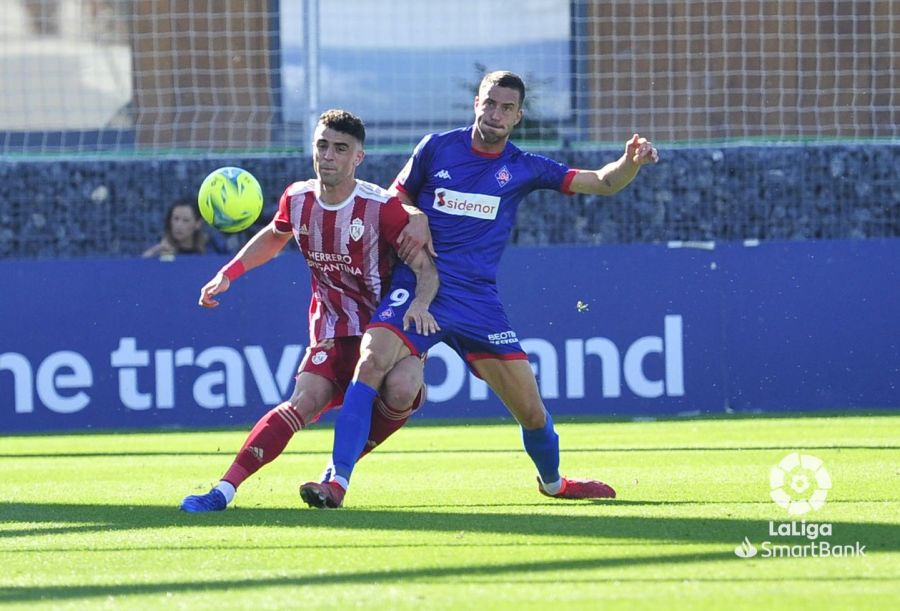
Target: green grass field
x,y
448,517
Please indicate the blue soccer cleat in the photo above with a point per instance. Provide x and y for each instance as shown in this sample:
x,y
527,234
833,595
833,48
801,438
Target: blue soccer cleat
x,y
213,500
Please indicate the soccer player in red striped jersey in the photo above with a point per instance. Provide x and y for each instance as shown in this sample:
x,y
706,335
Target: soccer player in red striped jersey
x,y
347,230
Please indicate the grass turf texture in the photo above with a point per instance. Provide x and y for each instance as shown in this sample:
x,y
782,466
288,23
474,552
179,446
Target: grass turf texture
x,y
448,517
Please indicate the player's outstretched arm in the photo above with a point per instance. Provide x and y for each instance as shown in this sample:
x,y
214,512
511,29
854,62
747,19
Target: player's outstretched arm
x,y
426,288
260,249
615,176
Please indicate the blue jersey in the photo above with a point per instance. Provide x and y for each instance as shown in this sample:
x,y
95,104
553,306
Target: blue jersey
x,y
471,200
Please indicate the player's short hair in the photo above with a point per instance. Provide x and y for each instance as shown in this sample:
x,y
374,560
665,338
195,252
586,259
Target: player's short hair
x,y
344,122
504,78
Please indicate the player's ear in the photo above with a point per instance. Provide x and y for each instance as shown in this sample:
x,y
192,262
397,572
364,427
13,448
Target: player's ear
x,y
360,155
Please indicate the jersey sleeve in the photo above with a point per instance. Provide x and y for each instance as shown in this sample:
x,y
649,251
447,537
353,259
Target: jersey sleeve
x,y
414,173
392,220
550,174
282,220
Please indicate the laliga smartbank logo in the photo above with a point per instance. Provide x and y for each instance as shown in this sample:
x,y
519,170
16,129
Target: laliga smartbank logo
x,y
799,484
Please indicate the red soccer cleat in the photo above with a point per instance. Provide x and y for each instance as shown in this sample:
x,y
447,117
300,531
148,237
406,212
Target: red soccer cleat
x,y
324,495
580,489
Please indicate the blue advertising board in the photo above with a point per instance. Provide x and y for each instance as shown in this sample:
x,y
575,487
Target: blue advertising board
x,y
632,330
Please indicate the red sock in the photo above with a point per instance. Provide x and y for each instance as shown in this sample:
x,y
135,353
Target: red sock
x,y
386,421
264,443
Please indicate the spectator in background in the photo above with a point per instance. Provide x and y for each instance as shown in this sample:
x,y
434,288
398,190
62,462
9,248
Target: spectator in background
x,y
183,231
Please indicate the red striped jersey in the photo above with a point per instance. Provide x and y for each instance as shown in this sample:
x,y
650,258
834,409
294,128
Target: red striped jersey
x,y
350,249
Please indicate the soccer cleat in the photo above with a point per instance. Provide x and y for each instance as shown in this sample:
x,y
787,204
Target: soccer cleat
x,y
580,489
213,500
326,495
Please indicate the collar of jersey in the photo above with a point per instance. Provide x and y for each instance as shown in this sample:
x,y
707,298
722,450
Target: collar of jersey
x,y
339,205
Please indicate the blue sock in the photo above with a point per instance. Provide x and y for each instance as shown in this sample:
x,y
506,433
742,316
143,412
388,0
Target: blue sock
x,y
351,429
542,446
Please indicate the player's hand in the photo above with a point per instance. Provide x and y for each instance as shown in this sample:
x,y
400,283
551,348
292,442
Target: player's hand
x,y
219,284
414,237
419,316
640,151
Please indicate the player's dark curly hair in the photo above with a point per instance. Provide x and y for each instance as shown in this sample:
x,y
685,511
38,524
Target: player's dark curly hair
x,y
344,122
504,78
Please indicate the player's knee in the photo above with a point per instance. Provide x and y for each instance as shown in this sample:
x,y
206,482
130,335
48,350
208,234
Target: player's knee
x,y
533,419
373,368
304,406
403,383
400,391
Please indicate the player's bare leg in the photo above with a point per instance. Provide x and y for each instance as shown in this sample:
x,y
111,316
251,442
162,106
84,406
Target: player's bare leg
x,y
380,350
267,440
402,392
401,395
513,381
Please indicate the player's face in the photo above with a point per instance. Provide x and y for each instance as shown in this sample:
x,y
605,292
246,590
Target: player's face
x,y
497,111
183,223
335,156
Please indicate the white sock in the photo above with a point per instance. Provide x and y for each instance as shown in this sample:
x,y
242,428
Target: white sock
x,y
342,481
227,490
327,473
552,488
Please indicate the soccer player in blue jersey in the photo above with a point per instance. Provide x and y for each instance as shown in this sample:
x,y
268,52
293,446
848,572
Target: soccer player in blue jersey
x,y
468,183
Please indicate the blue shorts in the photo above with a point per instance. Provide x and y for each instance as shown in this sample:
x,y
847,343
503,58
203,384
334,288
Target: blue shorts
x,y
473,324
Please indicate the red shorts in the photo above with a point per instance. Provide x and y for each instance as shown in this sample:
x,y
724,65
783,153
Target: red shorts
x,y
335,360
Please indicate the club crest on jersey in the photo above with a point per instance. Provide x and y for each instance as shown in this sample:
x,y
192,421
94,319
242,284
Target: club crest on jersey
x,y
319,357
356,229
388,313
503,176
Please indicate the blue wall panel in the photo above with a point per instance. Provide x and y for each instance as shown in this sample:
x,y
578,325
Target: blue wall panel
x,y
630,330
814,325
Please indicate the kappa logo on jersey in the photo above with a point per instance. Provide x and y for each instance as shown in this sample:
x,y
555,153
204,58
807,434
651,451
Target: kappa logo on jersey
x,y
503,176
388,313
356,229
442,174
466,204
319,357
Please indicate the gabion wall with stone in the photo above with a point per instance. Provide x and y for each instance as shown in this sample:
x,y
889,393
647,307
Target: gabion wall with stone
x,y
102,207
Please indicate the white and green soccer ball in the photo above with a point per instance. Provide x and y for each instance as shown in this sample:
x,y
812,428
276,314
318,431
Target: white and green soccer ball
x,y
230,199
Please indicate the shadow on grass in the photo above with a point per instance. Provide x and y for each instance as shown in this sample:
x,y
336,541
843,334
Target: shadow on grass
x,y
457,574
658,534
432,451
92,518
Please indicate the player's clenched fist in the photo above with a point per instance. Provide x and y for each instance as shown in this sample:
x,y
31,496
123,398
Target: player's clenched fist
x,y
640,151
